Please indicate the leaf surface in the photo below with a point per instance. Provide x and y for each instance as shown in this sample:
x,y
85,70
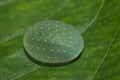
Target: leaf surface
x,y
97,20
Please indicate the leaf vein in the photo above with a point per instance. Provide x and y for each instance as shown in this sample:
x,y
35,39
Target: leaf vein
x,y
93,20
106,53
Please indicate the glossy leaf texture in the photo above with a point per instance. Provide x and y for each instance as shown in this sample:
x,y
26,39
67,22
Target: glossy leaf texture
x,y
97,21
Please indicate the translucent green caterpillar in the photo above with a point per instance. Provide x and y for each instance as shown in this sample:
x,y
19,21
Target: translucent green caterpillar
x,y
53,42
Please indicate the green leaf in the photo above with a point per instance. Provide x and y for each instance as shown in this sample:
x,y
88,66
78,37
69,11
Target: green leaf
x,y
97,20
18,15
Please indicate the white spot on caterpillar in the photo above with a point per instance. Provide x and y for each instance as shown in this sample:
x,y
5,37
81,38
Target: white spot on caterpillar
x,y
53,42
58,37
36,32
48,28
63,33
56,30
51,50
64,50
71,42
44,49
43,33
58,50
42,56
67,45
70,28
56,25
37,47
45,40
50,35
41,27
70,37
65,39
32,38
60,43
